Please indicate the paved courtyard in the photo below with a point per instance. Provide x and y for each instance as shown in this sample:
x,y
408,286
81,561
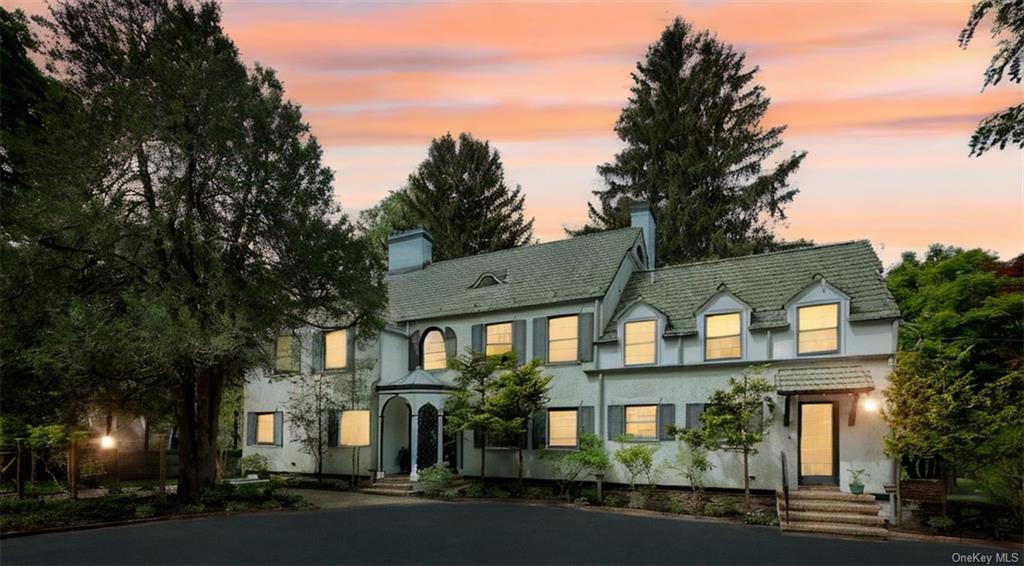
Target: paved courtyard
x,y
389,531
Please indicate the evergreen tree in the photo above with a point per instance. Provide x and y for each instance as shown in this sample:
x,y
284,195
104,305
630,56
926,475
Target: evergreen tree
x,y
696,151
458,194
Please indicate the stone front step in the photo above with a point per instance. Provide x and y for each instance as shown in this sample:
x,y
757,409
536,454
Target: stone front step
x,y
844,529
828,506
845,518
394,479
827,495
389,491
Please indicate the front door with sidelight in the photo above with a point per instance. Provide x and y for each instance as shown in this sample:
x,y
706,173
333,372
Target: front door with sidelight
x,y
819,462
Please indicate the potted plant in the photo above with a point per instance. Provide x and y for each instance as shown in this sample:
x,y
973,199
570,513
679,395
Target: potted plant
x,y
857,478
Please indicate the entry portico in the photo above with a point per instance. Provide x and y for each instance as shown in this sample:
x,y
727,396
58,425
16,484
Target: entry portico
x,y
411,416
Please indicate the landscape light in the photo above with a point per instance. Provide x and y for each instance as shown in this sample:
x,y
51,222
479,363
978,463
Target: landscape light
x,y
106,441
870,405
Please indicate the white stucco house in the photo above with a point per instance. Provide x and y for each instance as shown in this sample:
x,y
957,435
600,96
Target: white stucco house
x,y
631,348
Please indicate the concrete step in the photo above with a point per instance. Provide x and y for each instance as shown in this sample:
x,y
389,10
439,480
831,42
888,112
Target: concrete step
x,y
389,491
829,528
827,506
827,495
845,518
394,479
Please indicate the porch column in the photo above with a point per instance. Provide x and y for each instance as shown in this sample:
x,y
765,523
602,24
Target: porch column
x,y
414,434
440,437
380,440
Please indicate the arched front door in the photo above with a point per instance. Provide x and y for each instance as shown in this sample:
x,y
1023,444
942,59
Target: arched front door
x,y
427,438
395,436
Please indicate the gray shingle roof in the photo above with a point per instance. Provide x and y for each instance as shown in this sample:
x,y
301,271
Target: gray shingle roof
x,y
766,282
823,378
565,270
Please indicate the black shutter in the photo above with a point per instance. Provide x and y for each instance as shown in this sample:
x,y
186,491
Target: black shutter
x,y
451,344
333,438
666,417
317,349
250,429
585,421
350,348
586,337
616,421
693,412
540,339
540,428
414,350
519,341
478,338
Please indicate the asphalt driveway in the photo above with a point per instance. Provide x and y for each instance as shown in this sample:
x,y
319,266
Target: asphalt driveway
x,y
450,533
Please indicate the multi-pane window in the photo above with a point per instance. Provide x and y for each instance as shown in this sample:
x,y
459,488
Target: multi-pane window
x,y
563,339
336,349
434,354
642,421
640,341
283,354
562,428
819,329
722,336
355,428
499,338
265,428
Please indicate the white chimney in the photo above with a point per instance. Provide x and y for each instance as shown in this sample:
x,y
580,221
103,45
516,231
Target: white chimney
x,y
409,250
640,216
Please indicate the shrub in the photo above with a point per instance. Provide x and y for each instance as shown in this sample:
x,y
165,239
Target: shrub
x,y
255,464
576,465
941,524
145,511
218,495
758,518
589,495
676,504
193,508
475,489
615,499
236,506
449,494
496,492
435,480
637,460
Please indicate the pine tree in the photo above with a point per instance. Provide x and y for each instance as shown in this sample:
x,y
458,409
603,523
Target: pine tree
x,y
458,194
696,151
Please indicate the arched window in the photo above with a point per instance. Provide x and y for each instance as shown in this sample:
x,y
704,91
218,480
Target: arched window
x,y
434,354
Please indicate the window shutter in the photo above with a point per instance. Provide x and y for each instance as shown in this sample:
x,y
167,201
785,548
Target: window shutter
x,y
350,348
318,347
586,337
616,421
519,341
451,344
278,428
585,421
414,350
666,417
478,338
693,412
250,429
540,338
332,428
297,353
540,428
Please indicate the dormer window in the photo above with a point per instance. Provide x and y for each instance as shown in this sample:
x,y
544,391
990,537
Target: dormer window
x,y
818,329
722,340
639,342
434,353
487,280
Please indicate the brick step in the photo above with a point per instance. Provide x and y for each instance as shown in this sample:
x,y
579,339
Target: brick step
x,y
827,495
828,528
827,506
389,491
845,518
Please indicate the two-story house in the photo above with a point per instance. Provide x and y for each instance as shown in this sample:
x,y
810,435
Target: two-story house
x,y
632,349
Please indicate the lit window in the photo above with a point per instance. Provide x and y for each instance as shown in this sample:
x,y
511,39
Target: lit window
x,y
499,338
284,360
722,336
336,349
562,428
355,428
434,355
563,339
265,428
642,421
640,341
819,328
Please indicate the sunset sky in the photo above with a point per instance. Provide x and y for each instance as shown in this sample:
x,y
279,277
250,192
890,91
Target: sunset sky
x,y
878,93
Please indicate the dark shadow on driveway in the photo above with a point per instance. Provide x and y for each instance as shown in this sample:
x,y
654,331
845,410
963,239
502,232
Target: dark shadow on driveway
x,y
465,533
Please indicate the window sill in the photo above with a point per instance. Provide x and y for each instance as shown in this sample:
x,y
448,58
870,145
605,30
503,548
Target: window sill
x,y
557,364
650,365
817,354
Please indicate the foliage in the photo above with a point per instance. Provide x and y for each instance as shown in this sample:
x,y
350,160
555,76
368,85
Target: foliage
x,y
858,476
572,466
255,464
163,246
478,489
380,221
232,417
759,518
311,401
695,149
519,393
956,395
1008,27
469,406
458,194
637,460
435,480
941,524
692,462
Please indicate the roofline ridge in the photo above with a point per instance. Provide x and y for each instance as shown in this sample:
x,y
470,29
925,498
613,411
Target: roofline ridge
x,y
752,256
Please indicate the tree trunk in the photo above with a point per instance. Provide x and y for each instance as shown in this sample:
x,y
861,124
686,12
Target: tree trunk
x,y
483,462
520,478
197,414
746,481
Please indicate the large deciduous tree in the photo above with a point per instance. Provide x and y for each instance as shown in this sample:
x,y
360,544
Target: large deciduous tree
x,y
184,214
696,150
459,195
1006,127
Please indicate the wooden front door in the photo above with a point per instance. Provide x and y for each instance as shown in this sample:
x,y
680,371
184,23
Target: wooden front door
x,y
819,444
